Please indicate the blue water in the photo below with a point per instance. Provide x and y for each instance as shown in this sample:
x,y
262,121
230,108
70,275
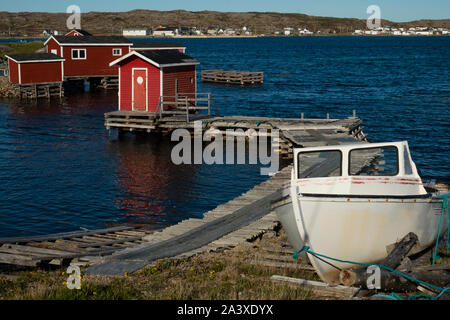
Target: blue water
x,y
61,170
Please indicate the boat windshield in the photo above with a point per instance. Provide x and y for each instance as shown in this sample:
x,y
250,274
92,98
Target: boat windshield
x,y
381,161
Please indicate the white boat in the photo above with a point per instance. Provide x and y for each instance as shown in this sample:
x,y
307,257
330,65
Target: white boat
x,y
354,202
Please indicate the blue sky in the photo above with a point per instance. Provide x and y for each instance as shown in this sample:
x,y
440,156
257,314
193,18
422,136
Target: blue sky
x,y
396,10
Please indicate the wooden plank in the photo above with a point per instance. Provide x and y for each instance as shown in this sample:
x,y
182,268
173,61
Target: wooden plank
x,y
17,260
32,250
64,235
435,267
273,264
316,285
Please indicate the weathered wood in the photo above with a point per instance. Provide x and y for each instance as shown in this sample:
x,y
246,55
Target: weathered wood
x,y
358,277
283,265
435,267
64,235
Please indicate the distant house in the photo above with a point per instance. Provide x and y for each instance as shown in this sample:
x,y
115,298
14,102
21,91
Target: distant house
x,y
152,45
144,76
166,32
48,33
288,31
35,68
136,32
185,31
212,31
304,32
88,56
77,33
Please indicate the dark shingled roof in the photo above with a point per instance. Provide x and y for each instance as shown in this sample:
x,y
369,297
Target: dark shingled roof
x,y
142,44
92,40
34,57
83,32
168,57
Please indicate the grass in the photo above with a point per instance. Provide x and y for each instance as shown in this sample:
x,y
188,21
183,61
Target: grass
x,y
20,47
228,275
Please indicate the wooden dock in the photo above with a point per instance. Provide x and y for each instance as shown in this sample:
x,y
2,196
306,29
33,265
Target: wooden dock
x,y
38,90
233,77
183,112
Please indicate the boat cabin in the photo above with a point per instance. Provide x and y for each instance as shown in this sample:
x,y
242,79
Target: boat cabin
x,y
145,76
375,169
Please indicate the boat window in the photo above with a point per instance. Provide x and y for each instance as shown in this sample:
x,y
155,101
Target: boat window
x,y
319,164
381,161
407,161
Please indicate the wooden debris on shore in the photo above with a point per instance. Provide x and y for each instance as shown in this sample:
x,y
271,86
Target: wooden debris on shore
x,y
394,282
233,77
57,249
316,286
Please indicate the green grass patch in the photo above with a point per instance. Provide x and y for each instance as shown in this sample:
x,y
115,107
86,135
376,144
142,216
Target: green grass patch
x,y
20,47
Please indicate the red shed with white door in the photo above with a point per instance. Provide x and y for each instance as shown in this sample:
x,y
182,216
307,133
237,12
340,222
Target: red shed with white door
x,y
144,76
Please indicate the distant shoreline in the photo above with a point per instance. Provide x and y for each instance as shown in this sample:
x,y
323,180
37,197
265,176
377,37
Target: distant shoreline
x,y
2,39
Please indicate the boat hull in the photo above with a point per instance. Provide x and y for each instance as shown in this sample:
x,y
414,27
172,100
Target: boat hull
x,y
357,229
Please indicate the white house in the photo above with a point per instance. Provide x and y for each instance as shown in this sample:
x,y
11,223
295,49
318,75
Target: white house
x,y
288,31
166,32
137,32
304,32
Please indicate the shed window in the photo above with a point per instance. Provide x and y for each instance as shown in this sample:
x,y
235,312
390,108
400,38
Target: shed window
x,y
78,54
117,52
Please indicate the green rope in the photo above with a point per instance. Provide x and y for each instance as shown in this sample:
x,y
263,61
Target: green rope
x,y
445,205
441,290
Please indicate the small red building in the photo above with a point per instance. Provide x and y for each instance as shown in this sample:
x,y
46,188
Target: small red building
x,y
88,56
35,68
144,76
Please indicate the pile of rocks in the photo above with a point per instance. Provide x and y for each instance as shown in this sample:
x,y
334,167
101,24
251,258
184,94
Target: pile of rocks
x,y
8,89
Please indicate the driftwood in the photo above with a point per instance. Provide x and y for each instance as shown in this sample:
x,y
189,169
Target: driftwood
x,y
358,277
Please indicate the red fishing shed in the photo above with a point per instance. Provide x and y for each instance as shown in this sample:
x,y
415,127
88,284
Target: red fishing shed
x,y
88,56
144,76
35,68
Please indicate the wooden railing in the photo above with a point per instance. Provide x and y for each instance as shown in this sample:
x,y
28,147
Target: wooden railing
x,y
232,77
186,104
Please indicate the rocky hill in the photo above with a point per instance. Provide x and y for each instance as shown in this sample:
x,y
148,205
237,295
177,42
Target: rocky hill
x,y
108,23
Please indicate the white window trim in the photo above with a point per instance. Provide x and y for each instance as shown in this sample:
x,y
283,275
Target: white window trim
x,y
85,54
120,52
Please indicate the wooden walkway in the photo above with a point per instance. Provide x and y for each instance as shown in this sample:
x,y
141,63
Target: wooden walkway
x,y
233,77
60,248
